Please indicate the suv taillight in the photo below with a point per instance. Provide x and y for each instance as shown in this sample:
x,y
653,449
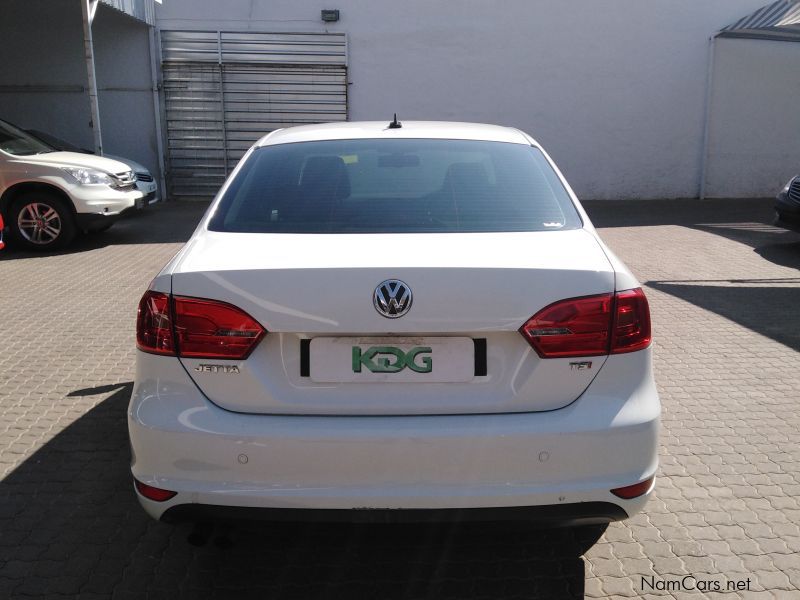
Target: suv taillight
x,y
591,326
195,328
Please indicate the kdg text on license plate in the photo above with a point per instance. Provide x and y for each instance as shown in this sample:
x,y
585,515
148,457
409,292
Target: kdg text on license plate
x,y
391,359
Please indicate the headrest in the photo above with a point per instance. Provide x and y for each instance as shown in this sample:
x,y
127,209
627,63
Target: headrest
x,y
466,175
326,175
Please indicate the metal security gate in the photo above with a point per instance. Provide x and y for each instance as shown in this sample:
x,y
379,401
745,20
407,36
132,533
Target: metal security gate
x,y
224,90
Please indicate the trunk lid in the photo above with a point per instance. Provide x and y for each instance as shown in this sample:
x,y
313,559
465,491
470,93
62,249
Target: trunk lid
x,y
466,286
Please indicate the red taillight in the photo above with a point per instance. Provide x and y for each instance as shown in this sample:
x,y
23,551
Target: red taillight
x,y
211,329
195,328
632,322
634,491
153,493
153,324
591,326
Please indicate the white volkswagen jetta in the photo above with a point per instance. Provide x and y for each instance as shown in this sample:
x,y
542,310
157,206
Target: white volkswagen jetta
x,y
395,321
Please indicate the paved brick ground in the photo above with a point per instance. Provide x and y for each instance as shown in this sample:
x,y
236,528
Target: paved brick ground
x,y
724,288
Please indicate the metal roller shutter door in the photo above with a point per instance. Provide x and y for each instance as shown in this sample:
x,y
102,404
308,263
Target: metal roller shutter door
x,y
223,91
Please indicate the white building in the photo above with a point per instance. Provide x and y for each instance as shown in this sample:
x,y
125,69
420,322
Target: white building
x,y
633,99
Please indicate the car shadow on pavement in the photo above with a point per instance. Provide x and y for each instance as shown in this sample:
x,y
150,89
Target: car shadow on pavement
x,y
161,223
785,254
761,305
678,211
775,245
71,525
744,220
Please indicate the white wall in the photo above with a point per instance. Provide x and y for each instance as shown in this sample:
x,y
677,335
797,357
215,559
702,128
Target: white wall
x,y
754,131
43,77
42,71
614,90
125,87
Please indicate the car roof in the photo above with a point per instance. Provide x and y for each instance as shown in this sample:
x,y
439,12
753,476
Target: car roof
x,y
352,130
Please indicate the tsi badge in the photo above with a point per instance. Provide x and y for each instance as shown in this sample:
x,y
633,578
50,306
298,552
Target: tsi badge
x,y
388,359
230,369
580,366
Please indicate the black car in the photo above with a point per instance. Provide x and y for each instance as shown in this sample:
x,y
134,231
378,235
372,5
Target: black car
x,y
787,206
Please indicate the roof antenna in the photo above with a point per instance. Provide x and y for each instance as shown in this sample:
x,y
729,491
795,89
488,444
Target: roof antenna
x,y
395,124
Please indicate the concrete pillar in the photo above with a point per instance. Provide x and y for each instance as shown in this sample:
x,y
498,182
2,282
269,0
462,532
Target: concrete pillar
x,y
89,7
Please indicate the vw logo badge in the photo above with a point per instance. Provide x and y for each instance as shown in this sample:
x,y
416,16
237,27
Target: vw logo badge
x,y
392,298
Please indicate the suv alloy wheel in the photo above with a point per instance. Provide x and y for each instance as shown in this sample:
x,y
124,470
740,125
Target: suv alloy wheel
x,y
41,221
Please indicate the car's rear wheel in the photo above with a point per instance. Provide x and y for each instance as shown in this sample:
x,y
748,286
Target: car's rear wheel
x,y
41,221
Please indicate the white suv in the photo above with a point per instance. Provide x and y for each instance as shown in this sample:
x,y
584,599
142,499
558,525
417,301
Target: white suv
x,y
47,196
406,321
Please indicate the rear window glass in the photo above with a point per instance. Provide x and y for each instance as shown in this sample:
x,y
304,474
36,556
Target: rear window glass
x,y
395,186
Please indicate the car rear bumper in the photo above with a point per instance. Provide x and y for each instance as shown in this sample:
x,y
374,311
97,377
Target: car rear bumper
x,y
584,513
567,460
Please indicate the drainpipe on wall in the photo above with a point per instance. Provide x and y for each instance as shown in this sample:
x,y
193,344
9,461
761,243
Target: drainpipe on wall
x,y
89,7
155,60
707,123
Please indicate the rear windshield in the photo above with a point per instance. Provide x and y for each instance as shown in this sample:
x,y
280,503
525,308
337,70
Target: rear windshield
x,y
395,186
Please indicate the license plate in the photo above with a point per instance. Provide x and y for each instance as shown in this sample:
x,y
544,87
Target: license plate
x,y
140,202
391,359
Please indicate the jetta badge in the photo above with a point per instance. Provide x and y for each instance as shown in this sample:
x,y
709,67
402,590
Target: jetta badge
x,y
229,369
392,298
